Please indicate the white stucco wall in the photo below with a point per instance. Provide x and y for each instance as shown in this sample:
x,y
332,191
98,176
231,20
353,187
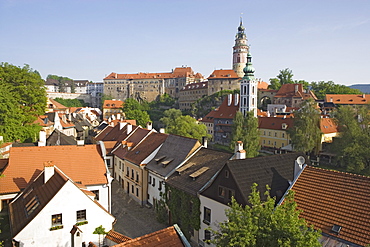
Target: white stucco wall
x,y
153,190
104,195
217,215
67,202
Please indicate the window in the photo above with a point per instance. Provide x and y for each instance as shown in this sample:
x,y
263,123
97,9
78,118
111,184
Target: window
x,y
221,191
137,177
132,189
207,216
226,174
137,192
56,219
108,163
132,173
153,182
96,192
150,180
160,186
127,171
81,215
282,135
207,235
275,134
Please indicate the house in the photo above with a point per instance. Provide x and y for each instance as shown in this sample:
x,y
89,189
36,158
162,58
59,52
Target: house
x,y
274,132
112,109
189,179
223,79
83,164
170,236
236,178
54,211
56,138
208,121
131,157
171,155
292,95
223,119
337,203
329,130
54,106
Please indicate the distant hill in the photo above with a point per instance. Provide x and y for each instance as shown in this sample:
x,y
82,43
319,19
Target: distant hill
x,y
365,88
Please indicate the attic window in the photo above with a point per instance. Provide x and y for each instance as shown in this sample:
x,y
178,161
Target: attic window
x,y
336,228
160,158
199,172
137,152
166,162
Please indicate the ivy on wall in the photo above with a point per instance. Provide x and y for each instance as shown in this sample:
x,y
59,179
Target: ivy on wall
x,y
184,208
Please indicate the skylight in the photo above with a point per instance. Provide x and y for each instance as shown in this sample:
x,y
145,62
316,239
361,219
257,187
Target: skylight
x,y
336,228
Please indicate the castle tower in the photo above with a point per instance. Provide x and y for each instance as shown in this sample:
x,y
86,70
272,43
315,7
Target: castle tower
x,y
240,50
248,89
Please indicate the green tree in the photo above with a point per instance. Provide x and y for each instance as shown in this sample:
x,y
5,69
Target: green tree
x,y
285,76
183,125
263,224
245,129
62,82
134,110
322,88
306,133
352,148
22,99
100,230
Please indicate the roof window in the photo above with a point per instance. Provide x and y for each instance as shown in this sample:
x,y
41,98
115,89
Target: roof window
x,y
336,228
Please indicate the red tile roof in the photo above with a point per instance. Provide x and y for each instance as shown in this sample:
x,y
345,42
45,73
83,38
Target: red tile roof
x,y
223,73
262,85
225,110
274,123
178,72
117,237
328,125
162,238
81,163
330,198
289,90
348,99
57,105
112,104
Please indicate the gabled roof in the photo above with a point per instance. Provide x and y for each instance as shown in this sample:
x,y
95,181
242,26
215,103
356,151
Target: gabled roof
x,y
328,125
330,198
223,74
81,163
33,199
209,118
275,123
112,104
348,99
172,153
145,148
205,157
295,91
117,237
262,85
162,238
59,138
225,110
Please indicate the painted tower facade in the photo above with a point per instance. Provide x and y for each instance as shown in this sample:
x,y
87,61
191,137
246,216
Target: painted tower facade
x,y
240,50
248,89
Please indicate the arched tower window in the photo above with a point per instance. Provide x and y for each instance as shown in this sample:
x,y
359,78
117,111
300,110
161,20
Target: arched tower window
x,y
238,59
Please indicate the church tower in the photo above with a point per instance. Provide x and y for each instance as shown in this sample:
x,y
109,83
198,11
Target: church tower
x,y
248,89
240,50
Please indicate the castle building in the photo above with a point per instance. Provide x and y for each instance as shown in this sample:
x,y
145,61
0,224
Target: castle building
x,y
248,89
148,86
240,51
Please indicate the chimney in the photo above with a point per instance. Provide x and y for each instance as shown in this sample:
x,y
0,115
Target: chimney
x,y
240,155
80,142
129,145
121,125
42,138
238,146
236,101
295,88
204,142
149,126
118,116
162,130
48,170
298,165
331,99
363,96
129,129
229,99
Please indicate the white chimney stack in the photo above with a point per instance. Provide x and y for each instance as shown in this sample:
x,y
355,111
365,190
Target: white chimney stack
x,y
129,129
204,142
48,170
241,155
149,125
42,138
162,130
238,146
229,99
121,125
80,142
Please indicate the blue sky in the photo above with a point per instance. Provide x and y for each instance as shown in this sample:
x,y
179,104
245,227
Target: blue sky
x,y
318,40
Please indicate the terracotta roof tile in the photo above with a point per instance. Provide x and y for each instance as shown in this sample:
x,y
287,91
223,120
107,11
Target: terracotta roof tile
x,y
225,110
289,90
262,85
81,163
178,72
117,237
222,74
275,123
162,238
57,105
328,125
112,104
348,99
330,198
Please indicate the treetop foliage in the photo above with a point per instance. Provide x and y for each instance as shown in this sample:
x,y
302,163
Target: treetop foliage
x,y
134,110
263,224
22,99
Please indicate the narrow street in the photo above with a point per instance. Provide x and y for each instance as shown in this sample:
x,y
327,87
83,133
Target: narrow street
x,y
133,220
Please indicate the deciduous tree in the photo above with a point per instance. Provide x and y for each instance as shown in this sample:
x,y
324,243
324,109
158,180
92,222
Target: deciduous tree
x,y
263,224
306,133
322,88
134,110
22,99
245,129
